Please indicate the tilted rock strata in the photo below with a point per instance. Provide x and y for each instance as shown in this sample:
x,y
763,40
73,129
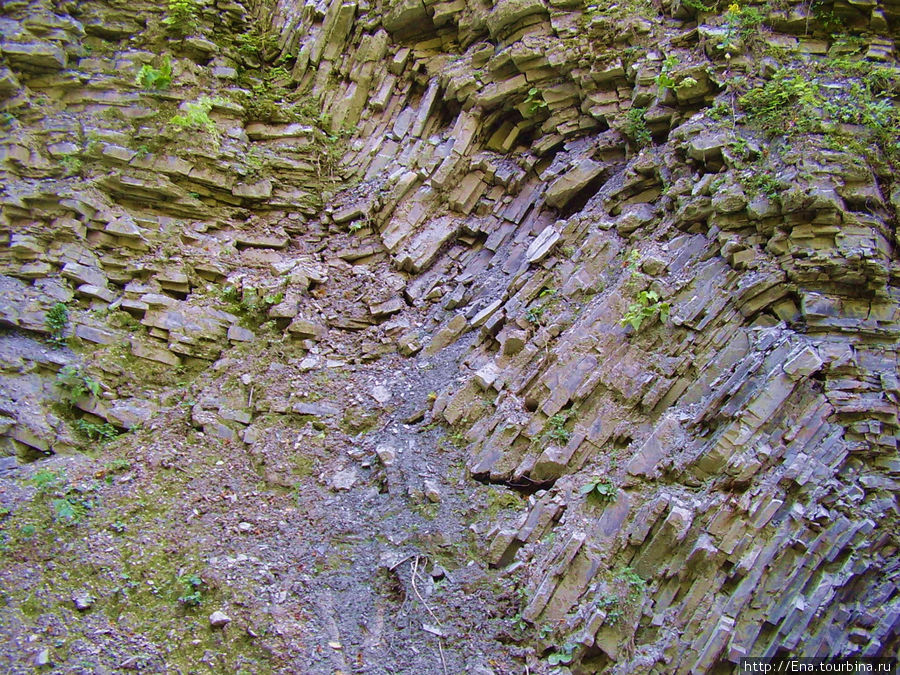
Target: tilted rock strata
x,y
493,173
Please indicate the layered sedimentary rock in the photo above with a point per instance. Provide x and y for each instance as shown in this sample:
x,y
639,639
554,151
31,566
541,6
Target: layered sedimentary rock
x,y
673,265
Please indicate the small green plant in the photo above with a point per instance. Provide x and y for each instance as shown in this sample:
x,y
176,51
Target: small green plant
x,y
46,481
648,306
698,6
149,77
563,655
230,294
824,13
195,116
664,79
73,382
68,502
719,111
70,508
193,587
633,581
72,165
126,586
271,299
95,431
636,127
56,321
535,314
534,101
739,146
519,623
632,262
556,428
760,182
610,604
784,103
182,16
256,43
601,489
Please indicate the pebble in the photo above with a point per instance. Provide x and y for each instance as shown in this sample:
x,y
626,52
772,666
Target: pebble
x,y
344,480
42,658
386,454
432,492
219,619
83,601
381,393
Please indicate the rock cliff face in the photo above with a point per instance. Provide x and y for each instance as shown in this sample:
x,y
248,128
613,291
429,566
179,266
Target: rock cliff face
x,y
448,336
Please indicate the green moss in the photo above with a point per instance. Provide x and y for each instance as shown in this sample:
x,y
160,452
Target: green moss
x,y
501,500
303,466
359,420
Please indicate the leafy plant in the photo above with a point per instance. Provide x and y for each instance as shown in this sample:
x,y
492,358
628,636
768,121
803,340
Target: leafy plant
x,y
740,23
45,481
69,503
56,321
193,586
70,508
647,307
632,261
602,489
664,79
720,110
636,127
256,43
698,6
794,101
783,103
738,146
195,116
72,165
534,314
556,428
182,16
633,581
760,181
610,604
149,77
534,101
75,384
95,431
563,655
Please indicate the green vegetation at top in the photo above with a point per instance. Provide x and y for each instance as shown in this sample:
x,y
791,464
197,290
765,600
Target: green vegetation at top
x,y
256,43
841,92
181,16
57,320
